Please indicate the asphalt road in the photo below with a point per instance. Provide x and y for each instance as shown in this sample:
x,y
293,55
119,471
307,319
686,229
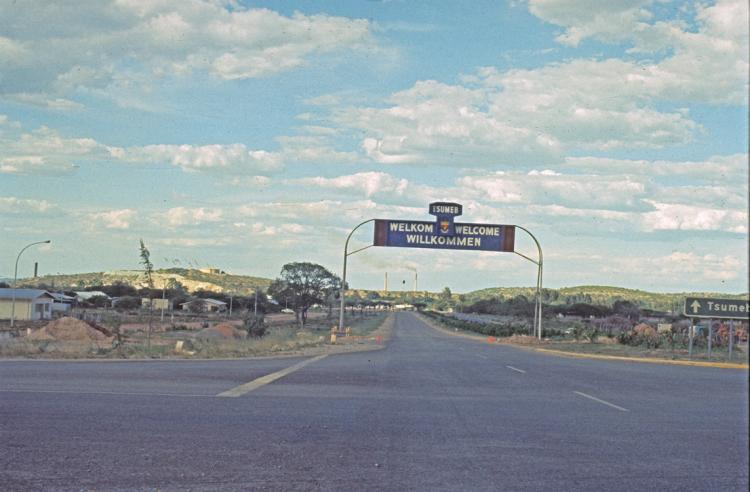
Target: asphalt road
x,y
429,412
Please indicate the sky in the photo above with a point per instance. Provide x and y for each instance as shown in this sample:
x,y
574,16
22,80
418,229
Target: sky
x,y
246,135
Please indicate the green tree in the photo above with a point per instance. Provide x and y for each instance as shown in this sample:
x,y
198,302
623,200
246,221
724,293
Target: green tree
x,y
148,270
303,285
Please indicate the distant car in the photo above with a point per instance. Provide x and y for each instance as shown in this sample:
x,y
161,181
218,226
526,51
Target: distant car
x,y
287,311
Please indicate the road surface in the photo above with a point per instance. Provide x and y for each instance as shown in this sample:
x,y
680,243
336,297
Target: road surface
x,y
429,412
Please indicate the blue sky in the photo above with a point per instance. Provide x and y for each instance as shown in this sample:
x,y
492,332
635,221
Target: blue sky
x,y
245,135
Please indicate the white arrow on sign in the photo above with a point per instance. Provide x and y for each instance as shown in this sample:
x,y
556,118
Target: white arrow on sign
x,y
696,306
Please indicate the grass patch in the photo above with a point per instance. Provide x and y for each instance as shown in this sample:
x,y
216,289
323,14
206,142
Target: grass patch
x,y
616,349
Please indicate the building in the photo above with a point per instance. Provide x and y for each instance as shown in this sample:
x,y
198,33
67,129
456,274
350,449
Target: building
x,y
62,303
30,304
204,306
156,304
83,296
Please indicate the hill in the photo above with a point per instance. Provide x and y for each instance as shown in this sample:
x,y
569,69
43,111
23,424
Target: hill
x,y
191,279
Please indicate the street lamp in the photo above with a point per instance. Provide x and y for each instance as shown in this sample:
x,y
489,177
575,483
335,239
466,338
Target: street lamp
x,y
15,278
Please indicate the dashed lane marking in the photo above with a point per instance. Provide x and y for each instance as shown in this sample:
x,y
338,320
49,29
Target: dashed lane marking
x,y
516,369
601,401
267,379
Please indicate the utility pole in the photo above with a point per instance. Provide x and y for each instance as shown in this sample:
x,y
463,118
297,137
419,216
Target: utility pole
x,y
255,307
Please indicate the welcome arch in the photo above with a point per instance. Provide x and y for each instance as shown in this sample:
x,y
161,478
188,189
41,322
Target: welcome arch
x,y
444,233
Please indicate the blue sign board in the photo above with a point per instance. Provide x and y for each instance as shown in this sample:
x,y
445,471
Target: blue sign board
x,y
421,234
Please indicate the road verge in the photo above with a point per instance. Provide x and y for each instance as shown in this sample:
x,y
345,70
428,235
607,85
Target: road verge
x,y
533,346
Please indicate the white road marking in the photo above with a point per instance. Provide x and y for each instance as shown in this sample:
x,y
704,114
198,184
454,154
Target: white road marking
x,y
601,401
115,393
482,356
267,379
516,369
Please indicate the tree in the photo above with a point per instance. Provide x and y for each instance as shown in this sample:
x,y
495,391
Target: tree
x,y
627,309
302,285
148,270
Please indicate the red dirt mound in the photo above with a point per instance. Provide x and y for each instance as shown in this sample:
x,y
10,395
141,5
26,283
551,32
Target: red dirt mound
x,y
222,331
69,329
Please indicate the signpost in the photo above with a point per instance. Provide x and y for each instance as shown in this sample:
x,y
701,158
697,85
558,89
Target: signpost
x,y
700,307
731,309
444,233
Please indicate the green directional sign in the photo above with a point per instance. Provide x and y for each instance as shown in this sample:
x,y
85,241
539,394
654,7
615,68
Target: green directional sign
x,y
701,307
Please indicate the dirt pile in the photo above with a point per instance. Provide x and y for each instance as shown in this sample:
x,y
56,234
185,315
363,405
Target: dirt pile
x,y
222,331
69,330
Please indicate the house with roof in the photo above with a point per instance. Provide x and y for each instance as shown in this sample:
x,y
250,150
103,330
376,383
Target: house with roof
x,y
30,304
62,303
204,306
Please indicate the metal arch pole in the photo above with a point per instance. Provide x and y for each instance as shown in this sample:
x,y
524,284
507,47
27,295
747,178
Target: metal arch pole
x,y
540,266
343,275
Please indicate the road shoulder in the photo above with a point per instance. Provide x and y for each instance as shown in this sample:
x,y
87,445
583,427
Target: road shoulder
x,y
577,355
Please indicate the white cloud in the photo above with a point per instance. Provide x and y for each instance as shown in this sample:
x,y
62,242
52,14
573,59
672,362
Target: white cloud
x,y
193,242
609,20
181,216
678,265
576,191
115,219
367,183
45,151
52,50
707,64
729,169
232,159
668,216
22,206
313,148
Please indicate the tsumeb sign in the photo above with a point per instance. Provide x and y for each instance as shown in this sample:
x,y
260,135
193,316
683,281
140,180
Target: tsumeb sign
x,y
444,233
701,307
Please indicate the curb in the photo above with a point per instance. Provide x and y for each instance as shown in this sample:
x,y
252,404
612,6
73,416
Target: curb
x,y
720,365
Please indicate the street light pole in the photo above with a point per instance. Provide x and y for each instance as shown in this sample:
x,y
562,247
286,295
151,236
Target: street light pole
x,y
15,279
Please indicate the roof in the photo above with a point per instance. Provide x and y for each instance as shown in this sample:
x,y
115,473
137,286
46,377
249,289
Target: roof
x,y
85,295
215,302
62,297
24,294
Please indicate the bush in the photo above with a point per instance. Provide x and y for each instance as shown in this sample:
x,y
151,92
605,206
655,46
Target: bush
x,y
642,334
577,330
591,334
255,326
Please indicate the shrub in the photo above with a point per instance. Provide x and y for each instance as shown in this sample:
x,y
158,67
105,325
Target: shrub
x,y
591,334
255,326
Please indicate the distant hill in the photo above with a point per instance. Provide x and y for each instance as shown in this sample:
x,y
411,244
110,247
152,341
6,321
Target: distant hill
x,y
599,294
191,279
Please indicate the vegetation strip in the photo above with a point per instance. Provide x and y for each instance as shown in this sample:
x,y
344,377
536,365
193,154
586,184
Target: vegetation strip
x,y
269,378
722,365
